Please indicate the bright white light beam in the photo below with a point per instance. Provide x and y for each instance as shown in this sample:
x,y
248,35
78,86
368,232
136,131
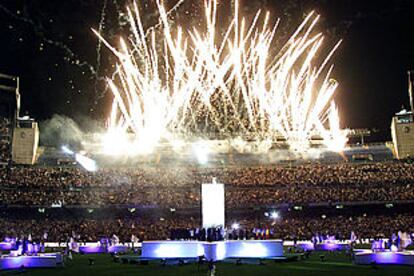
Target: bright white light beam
x,y
86,162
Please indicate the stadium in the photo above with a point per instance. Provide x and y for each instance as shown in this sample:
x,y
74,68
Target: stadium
x,y
221,150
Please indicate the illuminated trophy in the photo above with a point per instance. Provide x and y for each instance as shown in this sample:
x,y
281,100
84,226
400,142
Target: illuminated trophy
x,y
212,204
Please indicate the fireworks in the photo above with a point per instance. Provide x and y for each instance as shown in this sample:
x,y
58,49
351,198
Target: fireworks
x,y
232,85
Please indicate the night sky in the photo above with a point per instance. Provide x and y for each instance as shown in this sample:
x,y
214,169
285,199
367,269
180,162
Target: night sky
x,y
50,45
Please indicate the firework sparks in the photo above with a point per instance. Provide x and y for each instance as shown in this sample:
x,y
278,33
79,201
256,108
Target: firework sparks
x,y
228,83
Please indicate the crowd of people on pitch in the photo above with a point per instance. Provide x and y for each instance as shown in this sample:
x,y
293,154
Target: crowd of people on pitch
x,y
185,228
5,140
180,187
200,234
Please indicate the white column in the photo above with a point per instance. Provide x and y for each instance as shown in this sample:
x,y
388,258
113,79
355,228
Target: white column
x,y
212,202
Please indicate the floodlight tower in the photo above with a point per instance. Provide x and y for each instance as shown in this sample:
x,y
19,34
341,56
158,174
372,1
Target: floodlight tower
x,y
402,127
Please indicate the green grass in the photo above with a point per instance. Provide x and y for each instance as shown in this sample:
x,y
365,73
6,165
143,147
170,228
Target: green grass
x,y
336,264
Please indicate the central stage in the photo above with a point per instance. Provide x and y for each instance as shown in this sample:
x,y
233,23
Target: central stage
x,y
215,251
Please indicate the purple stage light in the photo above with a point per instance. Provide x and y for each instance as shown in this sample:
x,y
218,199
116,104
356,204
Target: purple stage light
x,y
306,246
332,246
118,249
367,257
7,246
92,249
98,249
44,260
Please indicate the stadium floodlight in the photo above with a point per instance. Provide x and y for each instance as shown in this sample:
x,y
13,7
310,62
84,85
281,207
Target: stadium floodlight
x,y
201,152
66,150
57,204
274,215
86,162
235,226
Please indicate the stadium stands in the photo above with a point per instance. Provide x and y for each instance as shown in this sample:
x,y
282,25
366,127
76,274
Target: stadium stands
x,y
180,187
30,196
5,141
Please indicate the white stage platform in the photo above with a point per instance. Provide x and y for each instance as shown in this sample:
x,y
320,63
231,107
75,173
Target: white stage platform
x,y
367,257
41,260
212,250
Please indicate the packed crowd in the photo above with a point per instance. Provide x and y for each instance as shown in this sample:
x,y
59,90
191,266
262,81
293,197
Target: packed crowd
x,y
180,187
190,198
157,228
310,175
5,139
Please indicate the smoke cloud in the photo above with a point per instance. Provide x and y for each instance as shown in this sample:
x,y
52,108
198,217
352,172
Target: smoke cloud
x,y
60,130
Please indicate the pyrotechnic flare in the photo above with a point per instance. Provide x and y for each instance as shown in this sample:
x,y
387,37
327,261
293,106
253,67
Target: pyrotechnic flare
x,y
233,85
